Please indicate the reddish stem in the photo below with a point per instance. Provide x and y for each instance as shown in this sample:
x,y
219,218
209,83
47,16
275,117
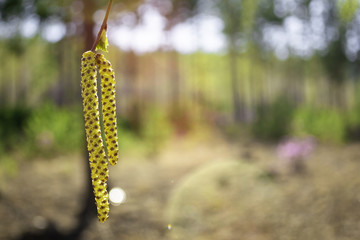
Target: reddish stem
x,y
103,26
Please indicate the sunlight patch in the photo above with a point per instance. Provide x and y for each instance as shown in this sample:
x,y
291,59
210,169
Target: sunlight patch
x,y
117,196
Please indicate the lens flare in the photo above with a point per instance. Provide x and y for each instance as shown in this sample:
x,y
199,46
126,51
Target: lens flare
x,y
117,196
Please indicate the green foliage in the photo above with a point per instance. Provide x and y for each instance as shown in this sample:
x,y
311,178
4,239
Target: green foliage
x,y
52,129
12,125
11,128
347,9
327,125
44,71
44,9
128,139
10,8
32,81
156,128
273,121
249,13
154,131
353,122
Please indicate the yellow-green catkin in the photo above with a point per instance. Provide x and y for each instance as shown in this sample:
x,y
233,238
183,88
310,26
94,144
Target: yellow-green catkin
x,y
108,106
97,156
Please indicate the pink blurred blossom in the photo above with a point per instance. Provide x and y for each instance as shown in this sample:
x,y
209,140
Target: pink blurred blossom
x,y
294,149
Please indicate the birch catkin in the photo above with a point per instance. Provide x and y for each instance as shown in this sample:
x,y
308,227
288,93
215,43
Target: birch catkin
x,y
97,156
108,106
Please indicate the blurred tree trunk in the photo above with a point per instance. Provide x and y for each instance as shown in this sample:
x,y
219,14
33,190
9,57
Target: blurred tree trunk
x,y
250,110
131,83
2,77
24,80
88,211
88,27
178,113
72,72
238,16
233,57
174,78
58,91
337,98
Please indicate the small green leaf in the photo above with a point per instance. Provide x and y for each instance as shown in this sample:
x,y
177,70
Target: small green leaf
x,y
103,42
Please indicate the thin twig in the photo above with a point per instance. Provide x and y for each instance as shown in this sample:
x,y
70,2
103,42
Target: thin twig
x,y
103,26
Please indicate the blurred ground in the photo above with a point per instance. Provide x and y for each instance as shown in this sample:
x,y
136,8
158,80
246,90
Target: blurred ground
x,y
199,188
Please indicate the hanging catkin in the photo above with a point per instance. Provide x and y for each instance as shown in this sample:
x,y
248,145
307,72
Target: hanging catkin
x,y
95,146
108,106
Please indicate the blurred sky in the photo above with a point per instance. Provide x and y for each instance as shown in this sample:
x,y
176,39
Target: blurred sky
x,y
203,32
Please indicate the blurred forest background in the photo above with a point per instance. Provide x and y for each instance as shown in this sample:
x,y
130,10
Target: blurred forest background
x,y
238,119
